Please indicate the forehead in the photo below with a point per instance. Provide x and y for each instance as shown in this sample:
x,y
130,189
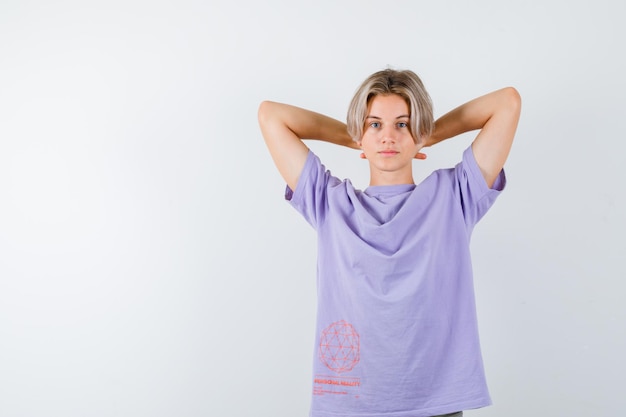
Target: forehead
x,y
388,105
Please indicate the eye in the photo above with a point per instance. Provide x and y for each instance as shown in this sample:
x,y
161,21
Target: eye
x,y
403,124
375,125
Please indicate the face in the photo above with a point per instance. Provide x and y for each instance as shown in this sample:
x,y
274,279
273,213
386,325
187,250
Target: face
x,y
387,142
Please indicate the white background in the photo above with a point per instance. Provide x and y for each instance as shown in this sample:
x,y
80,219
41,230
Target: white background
x,y
150,267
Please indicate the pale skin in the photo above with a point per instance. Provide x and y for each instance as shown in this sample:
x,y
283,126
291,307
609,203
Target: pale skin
x,y
387,142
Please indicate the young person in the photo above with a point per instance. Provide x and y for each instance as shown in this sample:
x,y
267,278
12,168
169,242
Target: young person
x,y
397,332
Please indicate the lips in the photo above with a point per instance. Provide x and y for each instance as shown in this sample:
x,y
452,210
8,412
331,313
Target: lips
x,y
388,152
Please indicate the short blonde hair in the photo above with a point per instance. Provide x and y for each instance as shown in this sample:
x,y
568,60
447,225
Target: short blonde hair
x,y
404,83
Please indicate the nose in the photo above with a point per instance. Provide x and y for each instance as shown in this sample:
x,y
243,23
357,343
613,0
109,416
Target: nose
x,y
388,134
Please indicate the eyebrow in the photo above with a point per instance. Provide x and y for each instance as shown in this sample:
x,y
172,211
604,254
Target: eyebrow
x,y
404,116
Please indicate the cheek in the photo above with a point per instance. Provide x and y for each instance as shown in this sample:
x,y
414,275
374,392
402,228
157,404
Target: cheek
x,y
366,140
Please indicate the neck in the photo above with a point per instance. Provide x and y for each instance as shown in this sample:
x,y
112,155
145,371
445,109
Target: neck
x,y
390,178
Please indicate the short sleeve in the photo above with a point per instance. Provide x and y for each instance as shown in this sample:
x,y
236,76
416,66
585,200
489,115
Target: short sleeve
x,y
310,196
476,196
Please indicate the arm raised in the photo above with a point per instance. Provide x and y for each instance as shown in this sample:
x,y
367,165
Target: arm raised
x,y
284,127
496,114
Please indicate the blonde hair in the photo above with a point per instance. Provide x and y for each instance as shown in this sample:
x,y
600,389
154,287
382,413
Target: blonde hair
x,y
404,83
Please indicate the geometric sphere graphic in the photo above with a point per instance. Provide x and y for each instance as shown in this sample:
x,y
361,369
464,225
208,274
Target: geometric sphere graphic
x,y
339,347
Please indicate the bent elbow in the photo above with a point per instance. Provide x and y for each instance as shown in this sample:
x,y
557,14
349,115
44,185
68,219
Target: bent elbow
x,y
513,98
263,111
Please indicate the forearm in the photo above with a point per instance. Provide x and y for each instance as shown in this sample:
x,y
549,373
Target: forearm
x,y
496,115
284,127
469,116
306,124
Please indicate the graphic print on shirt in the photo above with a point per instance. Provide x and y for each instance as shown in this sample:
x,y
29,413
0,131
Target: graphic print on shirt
x,y
340,351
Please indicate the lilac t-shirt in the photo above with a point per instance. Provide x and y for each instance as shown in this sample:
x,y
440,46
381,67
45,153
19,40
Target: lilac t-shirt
x,y
397,334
